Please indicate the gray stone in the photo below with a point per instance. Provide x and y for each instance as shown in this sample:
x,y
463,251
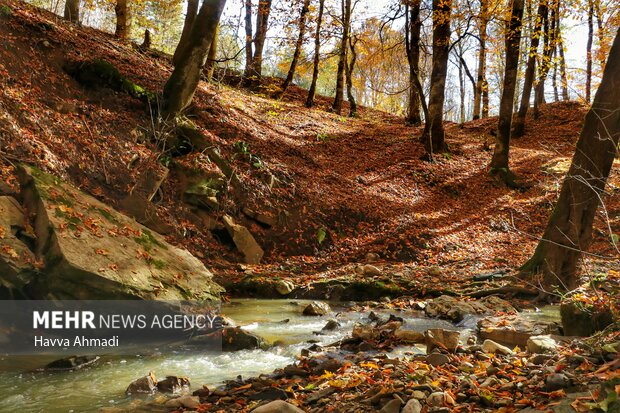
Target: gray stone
x,y
277,406
556,381
436,399
173,384
491,347
186,401
71,363
454,309
541,344
244,241
203,193
235,339
393,406
443,339
331,325
412,406
316,308
17,261
284,287
514,330
95,252
146,384
370,270
437,359
409,336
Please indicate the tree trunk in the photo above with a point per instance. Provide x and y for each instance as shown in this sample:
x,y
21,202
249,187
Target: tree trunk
x,y
298,45
212,56
563,75
569,230
262,22
589,51
342,62
122,19
249,41
481,78
530,72
499,162
349,75
546,58
317,58
181,86
72,11
433,136
190,16
413,27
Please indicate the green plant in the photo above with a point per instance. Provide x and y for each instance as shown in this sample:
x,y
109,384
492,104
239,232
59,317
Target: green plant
x,y
243,148
322,137
321,234
5,10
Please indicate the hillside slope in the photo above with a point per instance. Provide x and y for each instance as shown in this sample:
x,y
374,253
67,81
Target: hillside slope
x,y
360,181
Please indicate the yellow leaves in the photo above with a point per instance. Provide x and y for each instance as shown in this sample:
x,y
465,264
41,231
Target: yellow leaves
x,y
2,232
347,381
370,365
10,251
65,209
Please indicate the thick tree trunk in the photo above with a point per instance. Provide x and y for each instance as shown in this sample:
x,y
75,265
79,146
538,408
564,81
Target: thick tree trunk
x,y
317,56
249,40
190,16
413,27
349,75
433,136
181,86
212,56
262,24
499,162
589,51
530,72
300,41
569,229
122,19
482,58
72,11
342,62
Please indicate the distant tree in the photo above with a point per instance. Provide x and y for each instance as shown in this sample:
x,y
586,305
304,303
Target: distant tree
x,y
190,16
254,67
212,56
298,45
530,71
569,230
181,86
350,67
481,82
434,134
122,19
342,55
413,26
547,55
72,11
317,56
589,51
499,162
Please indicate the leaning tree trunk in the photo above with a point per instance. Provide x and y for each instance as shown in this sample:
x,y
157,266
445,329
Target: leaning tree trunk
x,y
317,59
482,58
349,74
530,71
499,162
262,22
72,11
181,86
122,19
569,230
413,27
249,41
342,62
212,56
300,41
433,136
190,16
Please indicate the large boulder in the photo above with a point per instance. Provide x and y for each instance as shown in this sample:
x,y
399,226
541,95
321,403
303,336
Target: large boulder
x,y
235,339
94,252
244,241
455,309
277,406
17,261
514,330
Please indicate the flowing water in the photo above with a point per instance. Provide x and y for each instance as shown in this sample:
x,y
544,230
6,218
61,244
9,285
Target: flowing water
x,y
104,384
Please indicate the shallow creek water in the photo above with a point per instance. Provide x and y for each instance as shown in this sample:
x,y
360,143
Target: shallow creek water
x,y
103,385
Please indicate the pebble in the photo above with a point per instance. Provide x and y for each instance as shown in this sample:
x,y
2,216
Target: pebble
x,y
556,381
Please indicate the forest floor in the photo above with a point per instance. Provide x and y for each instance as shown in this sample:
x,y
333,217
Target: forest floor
x,y
345,191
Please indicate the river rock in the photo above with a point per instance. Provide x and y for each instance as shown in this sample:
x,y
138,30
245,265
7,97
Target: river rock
x,y
95,252
556,381
277,406
17,261
442,339
370,270
284,287
146,384
436,399
244,241
454,309
331,325
514,330
71,363
412,406
186,401
491,347
235,339
437,359
173,384
393,406
409,336
316,308
541,344
580,321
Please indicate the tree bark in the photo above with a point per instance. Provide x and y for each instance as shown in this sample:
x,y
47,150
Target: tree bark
x,y
434,135
413,27
349,75
249,40
481,78
342,62
72,11
499,162
546,58
300,41
569,230
262,22
190,16
181,86
530,72
212,56
317,59
122,19
589,51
